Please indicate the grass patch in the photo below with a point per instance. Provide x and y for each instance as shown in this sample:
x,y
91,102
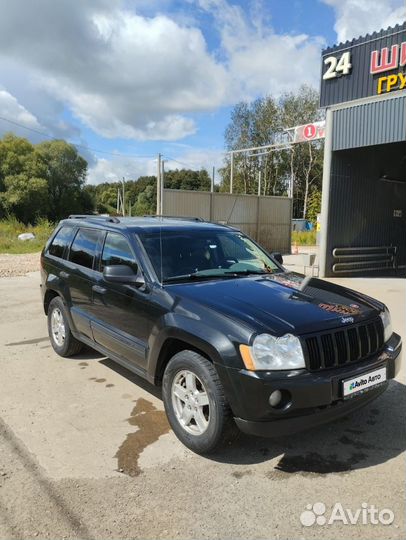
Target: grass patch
x,y
11,228
304,238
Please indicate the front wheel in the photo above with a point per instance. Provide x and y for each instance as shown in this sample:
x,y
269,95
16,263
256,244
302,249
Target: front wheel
x,y
195,403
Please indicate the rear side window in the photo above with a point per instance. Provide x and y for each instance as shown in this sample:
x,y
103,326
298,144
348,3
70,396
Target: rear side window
x,y
60,242
117,251
83,249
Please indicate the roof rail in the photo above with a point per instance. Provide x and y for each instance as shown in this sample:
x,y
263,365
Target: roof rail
x,y
181,218
110,219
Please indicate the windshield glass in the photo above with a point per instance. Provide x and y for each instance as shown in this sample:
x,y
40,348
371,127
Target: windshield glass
x,y
187,254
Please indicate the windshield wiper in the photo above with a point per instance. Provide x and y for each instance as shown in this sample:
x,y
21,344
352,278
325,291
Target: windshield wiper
x,y
247,272
197,275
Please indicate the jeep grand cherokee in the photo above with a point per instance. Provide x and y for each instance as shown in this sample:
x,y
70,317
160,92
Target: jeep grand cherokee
x,y
233,338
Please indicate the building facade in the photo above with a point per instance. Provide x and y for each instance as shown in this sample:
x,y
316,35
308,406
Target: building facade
x,y
363,89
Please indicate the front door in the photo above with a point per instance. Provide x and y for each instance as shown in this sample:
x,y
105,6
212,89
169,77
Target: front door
x,y
120,311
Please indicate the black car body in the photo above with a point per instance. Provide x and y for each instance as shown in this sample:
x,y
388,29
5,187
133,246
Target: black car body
x,y
142,321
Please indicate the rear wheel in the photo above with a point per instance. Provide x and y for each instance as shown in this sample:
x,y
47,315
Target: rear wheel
x,y
62,339
195,403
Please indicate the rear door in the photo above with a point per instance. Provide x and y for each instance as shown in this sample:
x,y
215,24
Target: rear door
x,y
81,276
122,313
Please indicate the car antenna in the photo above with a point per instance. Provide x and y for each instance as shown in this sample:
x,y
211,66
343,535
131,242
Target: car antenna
x,y
160,247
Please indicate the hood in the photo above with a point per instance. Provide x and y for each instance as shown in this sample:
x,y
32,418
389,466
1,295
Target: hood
x,y
283,302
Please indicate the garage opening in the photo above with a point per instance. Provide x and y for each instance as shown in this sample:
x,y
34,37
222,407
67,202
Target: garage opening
x,y
367,211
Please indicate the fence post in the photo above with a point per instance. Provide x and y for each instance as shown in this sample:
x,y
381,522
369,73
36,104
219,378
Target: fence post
x,y
232,172
158,186
257,228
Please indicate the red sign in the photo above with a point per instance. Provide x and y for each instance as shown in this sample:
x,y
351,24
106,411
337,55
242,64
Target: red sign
x,y
384,60
309,132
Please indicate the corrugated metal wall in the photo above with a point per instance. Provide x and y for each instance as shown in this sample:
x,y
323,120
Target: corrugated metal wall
x,y
361,210
266,219
373,123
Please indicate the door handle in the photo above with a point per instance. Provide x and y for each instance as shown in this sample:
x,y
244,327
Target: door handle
x,y
63,274
98,289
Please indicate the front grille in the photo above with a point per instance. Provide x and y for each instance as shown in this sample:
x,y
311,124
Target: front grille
x,y
339,347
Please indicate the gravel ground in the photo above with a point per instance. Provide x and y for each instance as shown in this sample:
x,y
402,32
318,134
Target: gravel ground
x,y
18,265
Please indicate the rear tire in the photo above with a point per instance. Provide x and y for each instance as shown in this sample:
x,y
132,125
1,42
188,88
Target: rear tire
x,y
195,404
60,335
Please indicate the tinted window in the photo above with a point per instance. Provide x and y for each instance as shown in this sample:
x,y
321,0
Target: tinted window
x,y
117,250
60,242
204,252
83,249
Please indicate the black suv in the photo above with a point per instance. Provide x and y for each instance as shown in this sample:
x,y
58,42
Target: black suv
x,y
201,309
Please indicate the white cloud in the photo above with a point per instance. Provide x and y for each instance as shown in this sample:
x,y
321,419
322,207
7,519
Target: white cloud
x,y
122,74
116,168
10,108
261,61
127,75
195,158
356,18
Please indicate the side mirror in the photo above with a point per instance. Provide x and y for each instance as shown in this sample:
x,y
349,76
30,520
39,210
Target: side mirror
x,y
122,273
277,256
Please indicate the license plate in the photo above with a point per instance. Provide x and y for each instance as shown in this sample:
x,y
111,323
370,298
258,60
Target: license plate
x,y
364,382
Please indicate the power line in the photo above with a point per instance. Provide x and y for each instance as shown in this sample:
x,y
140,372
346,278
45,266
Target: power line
x,y
188,165
73,144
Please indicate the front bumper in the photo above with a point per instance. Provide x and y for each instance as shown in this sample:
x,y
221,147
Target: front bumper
x,y
315,397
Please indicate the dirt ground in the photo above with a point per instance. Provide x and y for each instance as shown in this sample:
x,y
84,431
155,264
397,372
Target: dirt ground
x,y
86,452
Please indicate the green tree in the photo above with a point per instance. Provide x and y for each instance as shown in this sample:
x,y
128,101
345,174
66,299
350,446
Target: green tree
x,y
146,202
23,189
25,198
314,206
65,174
261,123
187,179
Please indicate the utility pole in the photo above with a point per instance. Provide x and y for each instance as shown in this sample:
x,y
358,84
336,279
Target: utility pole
x,y
158,185
231,172
123,196
259,183
162,187
212,179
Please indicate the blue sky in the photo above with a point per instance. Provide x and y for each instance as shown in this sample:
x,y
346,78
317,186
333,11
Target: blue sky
x,y
126,79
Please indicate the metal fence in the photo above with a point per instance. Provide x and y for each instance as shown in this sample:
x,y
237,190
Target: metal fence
x,y
266,219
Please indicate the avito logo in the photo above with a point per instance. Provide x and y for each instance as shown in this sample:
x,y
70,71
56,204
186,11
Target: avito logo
x,y
366,515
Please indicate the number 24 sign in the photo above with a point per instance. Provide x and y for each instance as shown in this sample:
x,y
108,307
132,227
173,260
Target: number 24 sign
x,y
337,66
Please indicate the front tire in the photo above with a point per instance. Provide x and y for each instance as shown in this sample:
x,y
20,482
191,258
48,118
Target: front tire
x,y
195,404
62,340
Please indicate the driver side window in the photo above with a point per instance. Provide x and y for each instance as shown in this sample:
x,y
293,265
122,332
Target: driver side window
x,y
116,250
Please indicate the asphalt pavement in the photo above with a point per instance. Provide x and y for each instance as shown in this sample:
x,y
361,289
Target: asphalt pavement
x,y
86,451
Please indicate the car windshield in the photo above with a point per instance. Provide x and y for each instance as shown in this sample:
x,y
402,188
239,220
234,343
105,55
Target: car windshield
x,y
205,254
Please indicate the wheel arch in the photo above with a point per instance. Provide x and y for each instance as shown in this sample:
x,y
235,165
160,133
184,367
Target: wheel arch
x,y
173,345
50,294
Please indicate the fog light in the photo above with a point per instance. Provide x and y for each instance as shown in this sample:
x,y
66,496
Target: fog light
x,y
275,398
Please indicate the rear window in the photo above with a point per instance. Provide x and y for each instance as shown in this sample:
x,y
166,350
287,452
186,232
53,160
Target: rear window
x,y
60,242
83,249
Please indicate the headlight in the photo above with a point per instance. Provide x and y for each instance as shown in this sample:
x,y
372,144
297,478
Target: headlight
x,y
387,325
269,352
